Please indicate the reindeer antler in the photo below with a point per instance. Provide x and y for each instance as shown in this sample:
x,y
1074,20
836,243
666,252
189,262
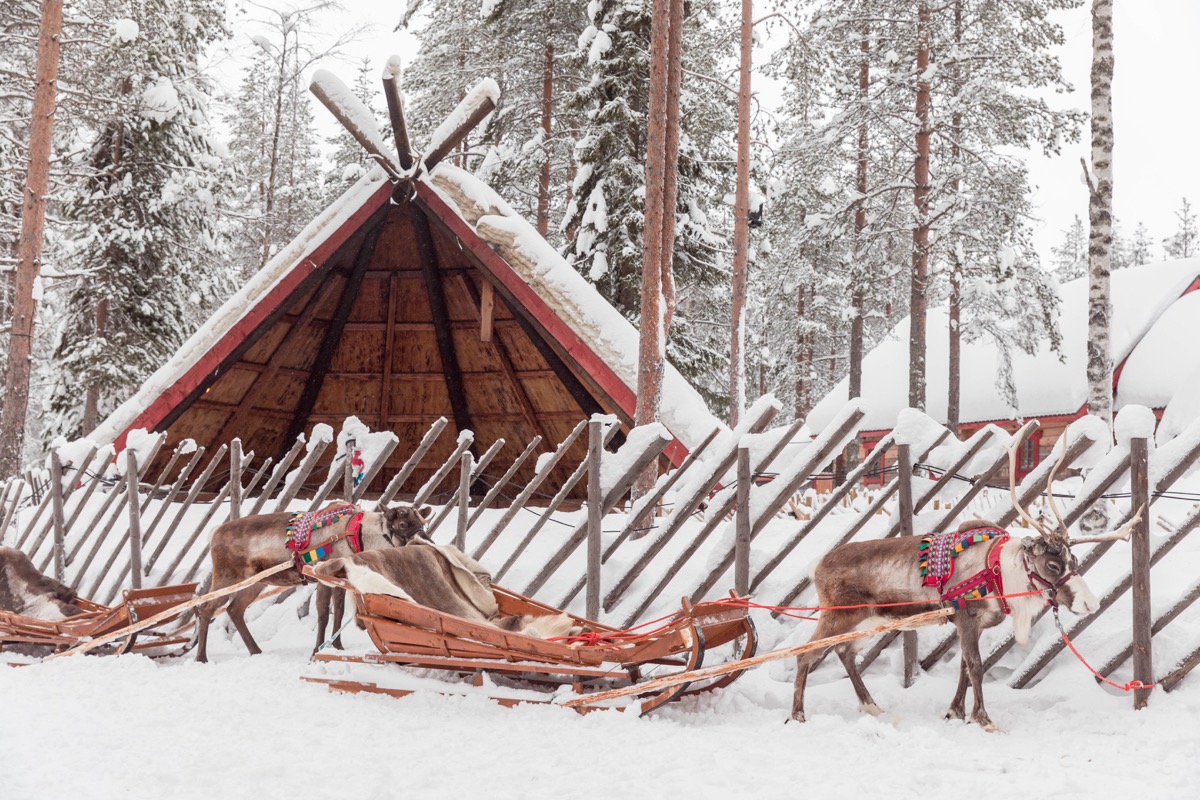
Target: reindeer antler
x,y
1121,533
1061,533
1019,439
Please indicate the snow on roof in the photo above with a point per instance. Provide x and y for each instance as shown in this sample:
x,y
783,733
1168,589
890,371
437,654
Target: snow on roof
x,y
239,305
1047,384
574,300
579,305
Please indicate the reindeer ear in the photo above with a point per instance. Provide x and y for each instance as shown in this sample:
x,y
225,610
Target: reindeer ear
x,y
424,512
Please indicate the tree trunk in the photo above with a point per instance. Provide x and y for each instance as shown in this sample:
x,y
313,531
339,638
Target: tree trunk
x,y
741,225
1099,363
920,250
657,248
857,299
269,209
802,404
29,247
543,205
954,367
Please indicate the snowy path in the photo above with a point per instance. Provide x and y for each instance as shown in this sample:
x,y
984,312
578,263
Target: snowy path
x,y
247,727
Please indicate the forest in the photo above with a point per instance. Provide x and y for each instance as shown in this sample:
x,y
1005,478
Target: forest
x,y
887,174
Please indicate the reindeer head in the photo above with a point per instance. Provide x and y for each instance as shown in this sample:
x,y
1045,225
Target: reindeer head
x,y
1049,563
406,524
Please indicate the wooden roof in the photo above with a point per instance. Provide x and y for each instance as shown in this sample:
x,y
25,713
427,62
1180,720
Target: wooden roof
x,y
401,315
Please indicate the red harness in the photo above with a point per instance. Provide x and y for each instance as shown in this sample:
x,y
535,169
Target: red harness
x,y
352,534
989,579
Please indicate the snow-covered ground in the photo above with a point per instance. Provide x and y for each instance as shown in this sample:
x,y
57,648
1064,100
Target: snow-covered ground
x,y
106,727
102,727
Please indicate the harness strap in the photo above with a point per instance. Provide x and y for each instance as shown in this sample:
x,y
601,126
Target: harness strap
x,y
353,534
987,581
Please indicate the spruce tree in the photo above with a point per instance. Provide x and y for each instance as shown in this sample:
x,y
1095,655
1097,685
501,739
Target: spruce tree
x,y
1183,243
144,239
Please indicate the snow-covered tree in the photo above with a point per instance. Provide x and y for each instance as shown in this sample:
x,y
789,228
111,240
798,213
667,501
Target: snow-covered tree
x,y
349,161
1100,219
603,220
1183,242
1140,247
145,246
1069,257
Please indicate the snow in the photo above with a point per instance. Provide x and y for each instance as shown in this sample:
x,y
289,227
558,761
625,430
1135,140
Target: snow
x,y
1134,422
613,466
1143,298
229,728
160,100
1184,405
487,8
916,429
392,69
126,29
1096,430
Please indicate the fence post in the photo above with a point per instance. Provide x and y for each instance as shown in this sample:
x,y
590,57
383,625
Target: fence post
x,y
741,542
348,469
464,499
135,522
595,515
906,529
235,479
56,496
1143,661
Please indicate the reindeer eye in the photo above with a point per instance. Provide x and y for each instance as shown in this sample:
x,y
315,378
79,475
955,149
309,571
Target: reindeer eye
x,y
1054,566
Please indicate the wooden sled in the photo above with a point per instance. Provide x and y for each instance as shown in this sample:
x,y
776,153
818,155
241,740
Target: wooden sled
x,y
98,620
411,635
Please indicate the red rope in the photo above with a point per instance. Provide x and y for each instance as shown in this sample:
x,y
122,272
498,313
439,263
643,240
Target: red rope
x,y
1125,687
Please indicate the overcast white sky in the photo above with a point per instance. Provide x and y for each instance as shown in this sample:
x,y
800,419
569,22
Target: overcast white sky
x,y
1157,83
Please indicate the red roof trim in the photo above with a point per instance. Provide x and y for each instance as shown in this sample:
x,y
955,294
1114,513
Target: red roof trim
x,y
162,405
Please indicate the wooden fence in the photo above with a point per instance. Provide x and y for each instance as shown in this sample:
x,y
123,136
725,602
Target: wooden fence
x,y
716,521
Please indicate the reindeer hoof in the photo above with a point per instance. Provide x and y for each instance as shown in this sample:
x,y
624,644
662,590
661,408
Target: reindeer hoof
x,y
987,725
955,714
797,716
870,708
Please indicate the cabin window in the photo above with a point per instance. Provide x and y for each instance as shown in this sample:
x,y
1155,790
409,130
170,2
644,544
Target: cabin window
x,y
1028,456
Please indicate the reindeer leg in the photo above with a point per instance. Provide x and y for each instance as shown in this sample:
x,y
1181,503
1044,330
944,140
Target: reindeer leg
x,y
339,610
830,624
968,637
237,610
958,708
323,597
866,703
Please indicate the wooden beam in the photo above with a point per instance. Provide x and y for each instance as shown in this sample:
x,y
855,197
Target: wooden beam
x,y
487,309
390,334
333,335
391,91
441,321
380,326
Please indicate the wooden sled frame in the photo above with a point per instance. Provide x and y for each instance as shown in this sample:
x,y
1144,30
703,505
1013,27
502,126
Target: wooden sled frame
x,y
98,620
412,635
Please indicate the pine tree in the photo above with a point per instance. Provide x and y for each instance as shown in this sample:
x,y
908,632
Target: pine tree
x,y
1183,243
1069,258
145,242
1140,247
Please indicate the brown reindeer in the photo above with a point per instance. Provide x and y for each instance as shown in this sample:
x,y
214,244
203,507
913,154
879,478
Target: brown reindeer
x,y
244,547
875,573
25,591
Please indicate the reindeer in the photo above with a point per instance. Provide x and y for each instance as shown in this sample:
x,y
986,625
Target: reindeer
x,y
876,573
244,547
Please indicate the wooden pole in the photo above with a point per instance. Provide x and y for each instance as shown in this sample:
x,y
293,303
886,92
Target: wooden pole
x,y
741,542
906,529
235,479
1143,662
464,499
56,494
135,521
928,618
595,515
29,245
391,91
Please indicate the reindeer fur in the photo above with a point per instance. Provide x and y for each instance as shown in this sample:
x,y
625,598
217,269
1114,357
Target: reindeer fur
x,y
25,591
